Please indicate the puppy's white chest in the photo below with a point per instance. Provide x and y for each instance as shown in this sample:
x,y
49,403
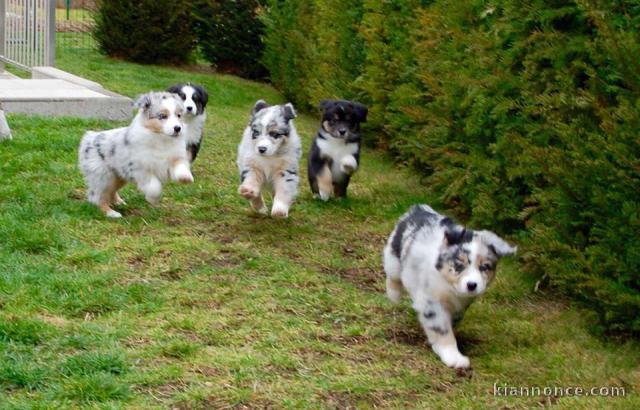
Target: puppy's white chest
x,y
194,127
336,149
439,289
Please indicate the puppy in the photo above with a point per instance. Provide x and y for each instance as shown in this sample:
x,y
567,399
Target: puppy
x,y
443,267
268,156
195,99
335,151
149,151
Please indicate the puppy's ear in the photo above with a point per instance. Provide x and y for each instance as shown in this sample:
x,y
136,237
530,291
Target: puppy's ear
x,y
361,111
325,104
498,245
259,105
455,234
202,93
289,112
176,88
143,102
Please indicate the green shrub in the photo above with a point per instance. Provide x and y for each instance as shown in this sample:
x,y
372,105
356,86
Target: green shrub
x,y
523,116
286,47
229,34
145,31
312,48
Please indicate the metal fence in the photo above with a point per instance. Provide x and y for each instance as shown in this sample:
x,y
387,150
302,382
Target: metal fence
x,y
74,24
32,32
27,32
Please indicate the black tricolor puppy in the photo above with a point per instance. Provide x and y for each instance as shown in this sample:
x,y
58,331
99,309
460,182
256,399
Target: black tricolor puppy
x,y
195,101
335,151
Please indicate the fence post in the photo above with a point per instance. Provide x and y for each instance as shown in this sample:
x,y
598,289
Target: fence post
x,y
3,19
51,35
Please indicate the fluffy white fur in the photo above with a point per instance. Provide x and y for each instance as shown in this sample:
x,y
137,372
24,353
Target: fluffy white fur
x,y
268,157
443,267
151,150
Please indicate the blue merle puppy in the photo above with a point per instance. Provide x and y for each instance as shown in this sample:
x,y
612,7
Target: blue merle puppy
x,y
335,150
268,158
148,152
443,267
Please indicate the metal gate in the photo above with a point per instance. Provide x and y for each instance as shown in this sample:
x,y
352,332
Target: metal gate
x,y
28,32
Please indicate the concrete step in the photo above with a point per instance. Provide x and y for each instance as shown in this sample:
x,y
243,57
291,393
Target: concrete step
x,y
58,97
46,72
5,75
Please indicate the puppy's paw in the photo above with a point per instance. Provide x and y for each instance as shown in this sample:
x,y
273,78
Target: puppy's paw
x,y
323,195
280,210
248,192
153,199
394,295
451,357
182,174
348,165
152,191
260,208
113,214
347,169
119,201
186,178
462,363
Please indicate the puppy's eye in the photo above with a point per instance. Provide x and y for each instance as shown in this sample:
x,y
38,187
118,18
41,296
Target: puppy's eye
x,y
277,135
179,115
162,116
254,134
458,266
486,267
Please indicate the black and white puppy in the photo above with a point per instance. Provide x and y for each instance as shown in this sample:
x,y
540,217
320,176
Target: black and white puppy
x,y
335,150
195,100
268,157
443,267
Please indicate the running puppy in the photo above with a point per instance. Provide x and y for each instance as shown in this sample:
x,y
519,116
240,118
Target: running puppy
x,y
148,152
268,156
443,267
195,99
335,151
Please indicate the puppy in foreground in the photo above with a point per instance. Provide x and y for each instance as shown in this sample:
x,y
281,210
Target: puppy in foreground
x,y
335,150
148,152
195,99
443,267
268,156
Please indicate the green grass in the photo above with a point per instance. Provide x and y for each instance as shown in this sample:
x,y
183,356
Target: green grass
x,y
197,303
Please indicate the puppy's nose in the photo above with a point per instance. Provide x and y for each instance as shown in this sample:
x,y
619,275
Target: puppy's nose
x,y
262,150
189,108
342,131
472,286
177,129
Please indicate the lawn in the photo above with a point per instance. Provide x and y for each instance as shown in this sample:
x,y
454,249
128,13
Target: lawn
x,y
198,303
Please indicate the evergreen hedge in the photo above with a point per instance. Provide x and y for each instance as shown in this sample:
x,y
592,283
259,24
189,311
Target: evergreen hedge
x,y
523,115
229,35
312,49
145,31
